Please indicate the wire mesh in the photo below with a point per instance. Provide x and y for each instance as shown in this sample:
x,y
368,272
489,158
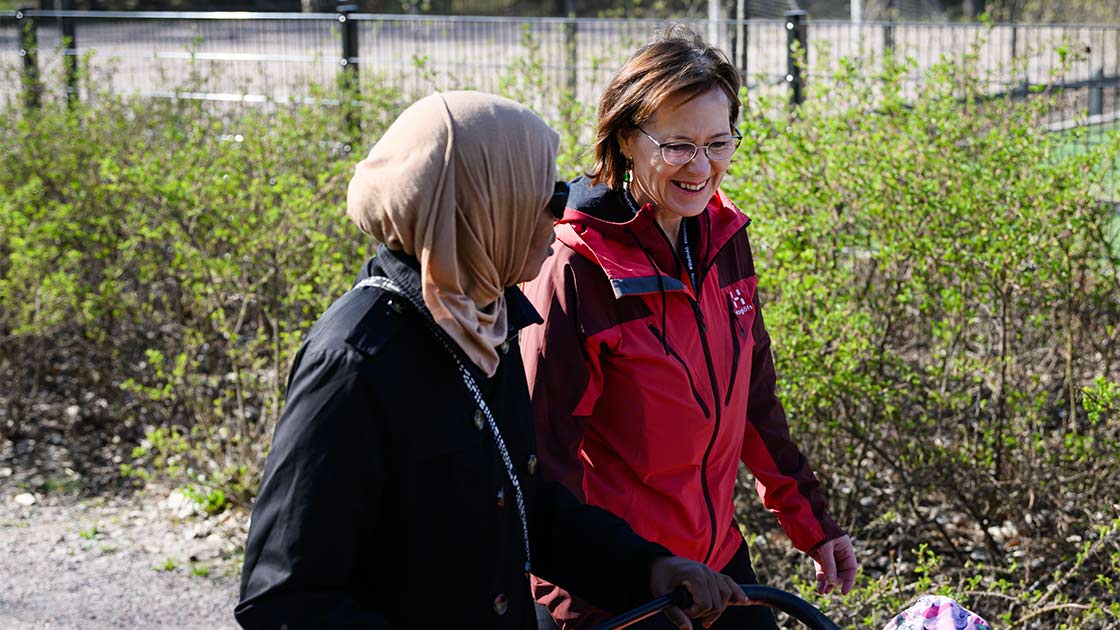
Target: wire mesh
x,y
270,57
539,59
9,55
629,9
9,37
542,61
1078,65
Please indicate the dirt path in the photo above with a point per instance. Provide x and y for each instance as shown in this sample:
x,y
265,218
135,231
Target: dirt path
x,y
120,563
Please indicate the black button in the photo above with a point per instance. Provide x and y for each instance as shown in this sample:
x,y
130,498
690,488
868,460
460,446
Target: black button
x,y
501,604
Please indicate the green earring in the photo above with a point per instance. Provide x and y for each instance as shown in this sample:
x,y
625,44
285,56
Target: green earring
x,y
627,176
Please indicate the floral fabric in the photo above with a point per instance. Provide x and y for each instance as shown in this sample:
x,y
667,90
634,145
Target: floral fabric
x,y
935,612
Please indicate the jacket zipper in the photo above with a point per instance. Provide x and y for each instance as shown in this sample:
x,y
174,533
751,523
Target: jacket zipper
x,y
691,383
703,328
715,392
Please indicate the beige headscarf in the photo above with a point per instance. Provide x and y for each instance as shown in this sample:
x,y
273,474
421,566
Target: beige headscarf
x,y
459,181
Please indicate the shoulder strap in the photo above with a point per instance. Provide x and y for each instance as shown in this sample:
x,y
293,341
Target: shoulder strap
x,y
417,302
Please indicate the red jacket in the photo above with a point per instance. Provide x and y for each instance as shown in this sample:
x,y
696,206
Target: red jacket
x,y
647,395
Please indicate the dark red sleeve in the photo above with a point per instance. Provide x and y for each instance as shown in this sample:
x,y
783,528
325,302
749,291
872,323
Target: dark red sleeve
x,y
562,368
784,480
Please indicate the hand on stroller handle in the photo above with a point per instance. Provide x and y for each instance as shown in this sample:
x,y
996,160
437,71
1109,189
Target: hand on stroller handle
x,y
775,598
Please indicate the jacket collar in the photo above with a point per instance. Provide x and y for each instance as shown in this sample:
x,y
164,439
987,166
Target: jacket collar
x,y
632,249
404,270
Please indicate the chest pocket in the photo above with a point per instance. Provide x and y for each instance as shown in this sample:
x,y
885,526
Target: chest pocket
x,y
740,308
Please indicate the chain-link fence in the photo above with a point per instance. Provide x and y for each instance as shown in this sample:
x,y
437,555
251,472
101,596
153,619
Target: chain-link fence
x,y
264,56
9,43
1080,62
541,56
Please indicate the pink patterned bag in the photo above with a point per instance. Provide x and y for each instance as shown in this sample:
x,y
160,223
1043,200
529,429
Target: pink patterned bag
x,y
936,612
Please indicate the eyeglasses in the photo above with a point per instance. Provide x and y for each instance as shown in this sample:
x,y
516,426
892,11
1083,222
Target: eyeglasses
x,y
559,200
681,153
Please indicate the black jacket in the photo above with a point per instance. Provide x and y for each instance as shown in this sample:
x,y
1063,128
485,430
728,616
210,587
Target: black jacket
x,y
384,505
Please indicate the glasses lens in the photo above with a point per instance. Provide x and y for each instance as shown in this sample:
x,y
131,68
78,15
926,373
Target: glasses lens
x,y
678,153
559,200
722,149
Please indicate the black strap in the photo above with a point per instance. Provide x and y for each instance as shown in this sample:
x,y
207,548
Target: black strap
x,y
472,386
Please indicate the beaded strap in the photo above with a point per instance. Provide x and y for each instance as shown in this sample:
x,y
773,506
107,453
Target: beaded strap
x,y
468,380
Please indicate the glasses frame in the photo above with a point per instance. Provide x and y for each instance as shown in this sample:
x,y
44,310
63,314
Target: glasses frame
x,y
695,148
558,202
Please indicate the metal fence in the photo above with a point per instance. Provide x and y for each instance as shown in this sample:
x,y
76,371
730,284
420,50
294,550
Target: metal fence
x,y
1080,62
260,57
9,44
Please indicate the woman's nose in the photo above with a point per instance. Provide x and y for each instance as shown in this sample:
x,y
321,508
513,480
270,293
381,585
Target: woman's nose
x,y
700,165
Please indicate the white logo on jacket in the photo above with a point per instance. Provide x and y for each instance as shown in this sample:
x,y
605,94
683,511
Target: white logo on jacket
x,y
739,303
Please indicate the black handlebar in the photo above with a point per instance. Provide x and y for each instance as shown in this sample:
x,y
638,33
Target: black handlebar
x,y
788,603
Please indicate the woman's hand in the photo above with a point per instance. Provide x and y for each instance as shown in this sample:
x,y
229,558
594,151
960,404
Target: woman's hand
x,y
836,565
711,591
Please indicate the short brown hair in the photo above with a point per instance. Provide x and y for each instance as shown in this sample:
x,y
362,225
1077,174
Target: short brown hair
x,y
676,62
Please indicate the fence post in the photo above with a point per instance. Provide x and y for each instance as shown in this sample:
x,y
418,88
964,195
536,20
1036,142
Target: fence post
x,y
888,29
797,49
70,52
572,51
350,80
1096,93
29,50
740,53
714,31
568,100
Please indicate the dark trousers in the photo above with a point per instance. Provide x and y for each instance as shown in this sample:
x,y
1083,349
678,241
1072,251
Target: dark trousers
x,y
733,618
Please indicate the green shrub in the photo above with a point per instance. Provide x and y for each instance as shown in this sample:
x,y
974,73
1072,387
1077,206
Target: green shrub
x,y
938,273
943,294
170,261
169,255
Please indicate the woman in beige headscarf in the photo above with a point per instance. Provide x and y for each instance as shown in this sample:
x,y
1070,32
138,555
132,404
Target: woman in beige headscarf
x,y
402,480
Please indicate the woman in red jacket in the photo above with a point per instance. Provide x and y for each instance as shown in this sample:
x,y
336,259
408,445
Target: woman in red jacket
x,y
652,377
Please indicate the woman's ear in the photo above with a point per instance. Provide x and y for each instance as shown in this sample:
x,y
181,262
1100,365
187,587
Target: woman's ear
x,y
625,137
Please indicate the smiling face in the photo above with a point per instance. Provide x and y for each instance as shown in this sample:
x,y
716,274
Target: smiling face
x,y
679,191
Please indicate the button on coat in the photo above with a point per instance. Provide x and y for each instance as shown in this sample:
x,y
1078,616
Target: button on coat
x,y
376,508
501,604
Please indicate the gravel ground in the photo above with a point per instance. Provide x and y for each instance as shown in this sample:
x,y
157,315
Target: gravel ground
x,y
128,562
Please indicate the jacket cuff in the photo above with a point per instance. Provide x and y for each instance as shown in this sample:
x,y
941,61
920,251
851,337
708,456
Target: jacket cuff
x,y
832,531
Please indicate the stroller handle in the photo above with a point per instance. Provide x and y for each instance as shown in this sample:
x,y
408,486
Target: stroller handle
x,y
788,603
